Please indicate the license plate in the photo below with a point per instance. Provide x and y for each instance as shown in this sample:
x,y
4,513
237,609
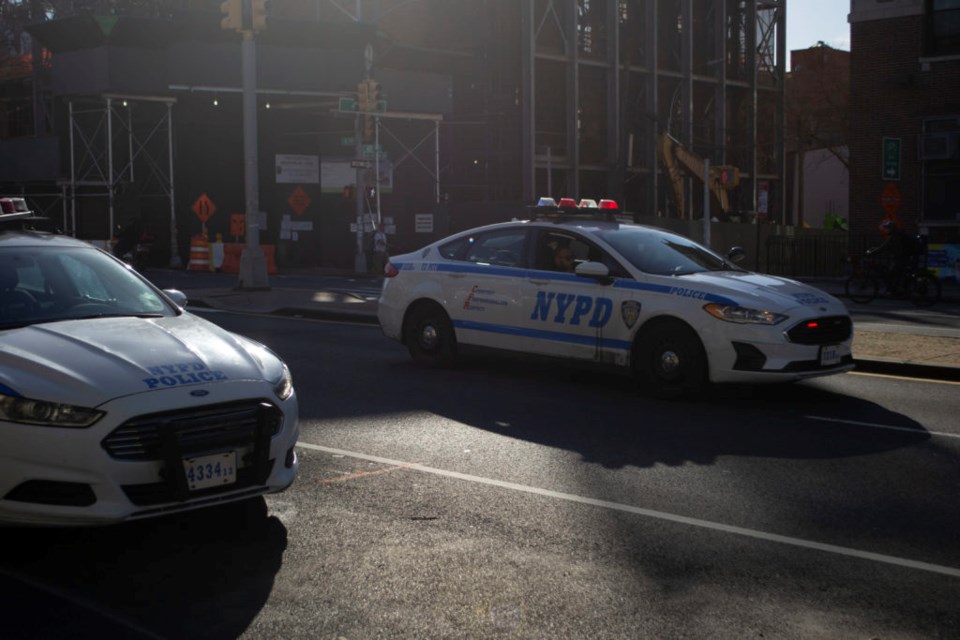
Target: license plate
x,y
829,355
211,471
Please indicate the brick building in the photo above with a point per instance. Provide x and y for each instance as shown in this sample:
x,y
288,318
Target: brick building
x,y
817,120
905,118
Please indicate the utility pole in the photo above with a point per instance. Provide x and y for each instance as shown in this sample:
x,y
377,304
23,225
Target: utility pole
x,y
248,17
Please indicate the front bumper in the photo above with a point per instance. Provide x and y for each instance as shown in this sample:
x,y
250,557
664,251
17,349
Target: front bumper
x,y
769,354
130,464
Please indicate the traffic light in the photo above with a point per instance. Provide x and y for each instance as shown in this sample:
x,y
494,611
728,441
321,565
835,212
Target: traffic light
x,y
348,192
232,12
258,10
370,122
362,96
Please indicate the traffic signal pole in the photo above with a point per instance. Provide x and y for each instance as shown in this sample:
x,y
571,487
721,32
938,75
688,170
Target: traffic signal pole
x,y
253,264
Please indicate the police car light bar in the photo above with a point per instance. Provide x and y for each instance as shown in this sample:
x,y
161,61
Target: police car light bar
x,y
567,209
13,205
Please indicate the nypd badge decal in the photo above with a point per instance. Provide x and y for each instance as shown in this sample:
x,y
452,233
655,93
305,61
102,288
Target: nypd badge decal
x,y
630,312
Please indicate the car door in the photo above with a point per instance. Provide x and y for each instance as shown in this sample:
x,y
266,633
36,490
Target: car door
x,y
482,286
573,316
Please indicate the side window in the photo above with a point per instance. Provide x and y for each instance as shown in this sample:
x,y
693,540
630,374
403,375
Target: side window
x,y
503,248
455,250
552,246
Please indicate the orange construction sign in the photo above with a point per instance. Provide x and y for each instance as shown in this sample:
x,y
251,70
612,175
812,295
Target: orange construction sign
x,y
204,207
891,200
299,201
238,224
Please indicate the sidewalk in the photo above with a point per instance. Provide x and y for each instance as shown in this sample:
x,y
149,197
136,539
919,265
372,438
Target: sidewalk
x,y
895,349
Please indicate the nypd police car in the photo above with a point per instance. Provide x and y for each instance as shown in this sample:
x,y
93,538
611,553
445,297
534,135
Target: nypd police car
x,y
640,299
117,404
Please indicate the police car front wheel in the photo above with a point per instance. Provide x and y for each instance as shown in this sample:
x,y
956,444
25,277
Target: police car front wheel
x,y
671,360
429,336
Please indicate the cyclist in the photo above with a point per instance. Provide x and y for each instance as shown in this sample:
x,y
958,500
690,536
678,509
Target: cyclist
x,y
902,248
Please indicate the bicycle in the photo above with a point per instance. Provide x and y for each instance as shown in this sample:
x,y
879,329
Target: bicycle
x,y
917,283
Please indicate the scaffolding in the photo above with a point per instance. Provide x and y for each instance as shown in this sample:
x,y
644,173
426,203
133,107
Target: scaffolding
x,y
601,80
119,143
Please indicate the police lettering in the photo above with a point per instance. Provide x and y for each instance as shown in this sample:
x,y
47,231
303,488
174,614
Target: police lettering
x,y
688,293
572,309
172,375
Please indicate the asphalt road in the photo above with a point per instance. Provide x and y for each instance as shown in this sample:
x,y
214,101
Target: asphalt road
x,y
511,499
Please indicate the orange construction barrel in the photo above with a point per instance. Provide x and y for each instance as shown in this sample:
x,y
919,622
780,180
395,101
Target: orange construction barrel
x,y
199,254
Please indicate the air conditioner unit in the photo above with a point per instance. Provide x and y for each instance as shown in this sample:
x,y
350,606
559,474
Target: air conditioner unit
x,y
939,146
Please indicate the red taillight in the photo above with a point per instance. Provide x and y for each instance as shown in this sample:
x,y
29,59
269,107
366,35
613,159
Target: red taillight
x,y
567,202
390,271
813,325
609,204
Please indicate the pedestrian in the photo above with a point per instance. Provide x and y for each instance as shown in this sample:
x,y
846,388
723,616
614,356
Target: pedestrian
x,y
379,251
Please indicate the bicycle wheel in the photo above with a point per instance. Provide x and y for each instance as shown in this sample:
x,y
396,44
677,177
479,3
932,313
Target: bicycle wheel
x,y
861,288
924,289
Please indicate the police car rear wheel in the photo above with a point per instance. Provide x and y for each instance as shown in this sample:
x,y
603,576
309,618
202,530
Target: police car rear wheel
x,y
429,336
672,361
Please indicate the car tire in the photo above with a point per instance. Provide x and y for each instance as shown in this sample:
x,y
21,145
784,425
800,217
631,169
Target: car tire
x,y
924,289
671,361
429,335
861,288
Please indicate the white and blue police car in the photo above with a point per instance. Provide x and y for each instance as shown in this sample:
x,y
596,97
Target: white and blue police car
x,y
116,403
641,299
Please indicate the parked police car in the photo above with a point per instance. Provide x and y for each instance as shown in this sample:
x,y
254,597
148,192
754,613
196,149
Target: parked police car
x,y
117,404
641,299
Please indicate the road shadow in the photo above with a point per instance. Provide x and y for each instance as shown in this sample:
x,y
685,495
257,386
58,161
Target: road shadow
x,y
605,419
204,573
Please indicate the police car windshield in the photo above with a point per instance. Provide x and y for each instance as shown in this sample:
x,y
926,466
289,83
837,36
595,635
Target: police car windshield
x,y
58,283
662,253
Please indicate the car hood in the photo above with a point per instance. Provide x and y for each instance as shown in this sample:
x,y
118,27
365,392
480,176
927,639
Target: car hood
x,y
89,362
760,291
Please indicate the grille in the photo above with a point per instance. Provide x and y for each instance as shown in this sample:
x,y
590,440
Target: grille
x,y
829,330
193,431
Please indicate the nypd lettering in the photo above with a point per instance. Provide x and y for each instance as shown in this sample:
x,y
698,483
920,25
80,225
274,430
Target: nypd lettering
x,y
568,308
173,375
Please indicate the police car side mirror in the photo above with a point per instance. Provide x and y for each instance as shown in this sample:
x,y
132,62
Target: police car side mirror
x,y
736,254
594,270
178,298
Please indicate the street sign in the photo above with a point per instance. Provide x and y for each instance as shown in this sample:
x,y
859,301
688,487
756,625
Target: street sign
x,y
360,164
347,104
204,208
891,159
299,201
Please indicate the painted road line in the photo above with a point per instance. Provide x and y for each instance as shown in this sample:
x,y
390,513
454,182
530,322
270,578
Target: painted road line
x,y
905,378
888,427
650,513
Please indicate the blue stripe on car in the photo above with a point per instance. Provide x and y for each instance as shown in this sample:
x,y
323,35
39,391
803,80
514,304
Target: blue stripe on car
x,y
541,334
7,391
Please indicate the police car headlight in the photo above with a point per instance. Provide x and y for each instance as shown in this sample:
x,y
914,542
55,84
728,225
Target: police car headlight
x,y
284,388
743,315
46,414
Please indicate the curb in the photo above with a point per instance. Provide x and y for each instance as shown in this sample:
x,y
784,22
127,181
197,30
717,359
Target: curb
x,y
907,369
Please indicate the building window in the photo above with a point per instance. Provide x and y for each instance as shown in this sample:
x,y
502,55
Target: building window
x,y
940,153
943,27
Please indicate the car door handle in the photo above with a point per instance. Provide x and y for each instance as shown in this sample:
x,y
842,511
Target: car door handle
x,y
537,281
